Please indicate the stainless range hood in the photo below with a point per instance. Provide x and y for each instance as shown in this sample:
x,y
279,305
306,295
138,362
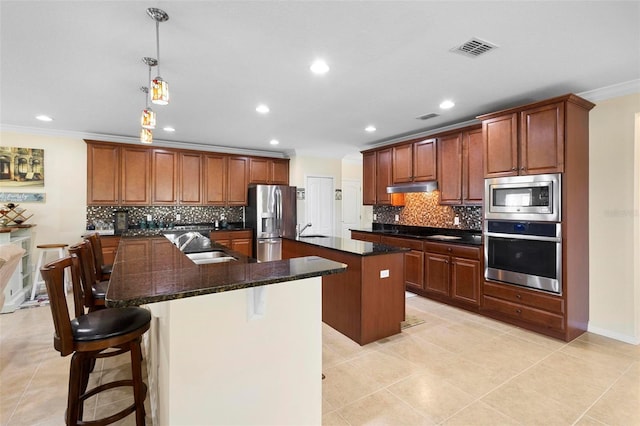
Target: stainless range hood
x,y
403,188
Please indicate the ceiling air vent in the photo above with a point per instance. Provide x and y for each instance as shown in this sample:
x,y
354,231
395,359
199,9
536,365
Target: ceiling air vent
x,y
474,48
427,116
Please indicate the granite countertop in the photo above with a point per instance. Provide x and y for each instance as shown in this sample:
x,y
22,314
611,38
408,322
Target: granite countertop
x,y
361,248
446,235
200,227
151,269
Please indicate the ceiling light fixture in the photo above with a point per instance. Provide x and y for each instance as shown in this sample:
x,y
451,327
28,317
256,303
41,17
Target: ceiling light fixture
x,y
448,104
262,109
43,118
168,129
370,129
146,135
148,117
319,66
274,141
158,87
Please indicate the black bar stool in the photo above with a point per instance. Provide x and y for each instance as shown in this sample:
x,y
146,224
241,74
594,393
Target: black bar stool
x,y
87,336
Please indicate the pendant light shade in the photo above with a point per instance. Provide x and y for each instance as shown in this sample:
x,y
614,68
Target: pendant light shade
x,y
148,116
146,135
159,89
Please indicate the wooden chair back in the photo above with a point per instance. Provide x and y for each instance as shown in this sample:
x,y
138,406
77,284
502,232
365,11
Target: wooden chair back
x,y
96,248
87,271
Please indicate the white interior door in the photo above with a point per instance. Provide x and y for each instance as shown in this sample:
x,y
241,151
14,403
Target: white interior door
x,y
320,205
351,204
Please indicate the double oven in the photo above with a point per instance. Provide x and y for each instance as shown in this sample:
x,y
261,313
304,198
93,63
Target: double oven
x,y
523,231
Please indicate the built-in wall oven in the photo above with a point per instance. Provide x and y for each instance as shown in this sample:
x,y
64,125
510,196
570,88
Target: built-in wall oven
x,y
523,231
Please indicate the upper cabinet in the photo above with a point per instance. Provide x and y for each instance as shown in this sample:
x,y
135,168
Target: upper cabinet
x,y
268,171
460,173
414,162
130,175
528,140
383,175
369,178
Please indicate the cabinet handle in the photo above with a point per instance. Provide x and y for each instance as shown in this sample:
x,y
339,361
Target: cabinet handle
x,y
513,169
518,311
448,248
519,296
523,168
446,261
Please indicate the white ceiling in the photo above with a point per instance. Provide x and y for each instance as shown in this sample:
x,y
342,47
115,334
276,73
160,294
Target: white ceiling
x,y
80,62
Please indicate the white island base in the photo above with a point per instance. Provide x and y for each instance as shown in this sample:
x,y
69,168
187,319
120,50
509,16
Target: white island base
x,y
242,357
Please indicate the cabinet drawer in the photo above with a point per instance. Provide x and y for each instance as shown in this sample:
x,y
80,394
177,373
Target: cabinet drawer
x,y
525,313
402,242
525,297
470,252
231,235
365,236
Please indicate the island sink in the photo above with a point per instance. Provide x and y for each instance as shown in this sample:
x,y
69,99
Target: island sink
x,y
210,257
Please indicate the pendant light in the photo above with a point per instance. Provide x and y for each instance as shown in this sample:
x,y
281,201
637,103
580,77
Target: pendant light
x,y
158,87
146,135
148,117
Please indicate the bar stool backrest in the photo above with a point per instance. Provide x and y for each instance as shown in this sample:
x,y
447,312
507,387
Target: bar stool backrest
x,y
87,271
53,275
96,246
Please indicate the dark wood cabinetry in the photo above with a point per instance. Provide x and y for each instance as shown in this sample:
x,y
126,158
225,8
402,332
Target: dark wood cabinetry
x,y
109,248
164,177
268,171
383,175
190,188
365,236
103,180
460,173
369,189
414,161
240,241
135,172
238,172
413,260
215,179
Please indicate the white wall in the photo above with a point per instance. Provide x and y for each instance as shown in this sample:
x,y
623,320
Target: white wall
x,y
62,217
613,219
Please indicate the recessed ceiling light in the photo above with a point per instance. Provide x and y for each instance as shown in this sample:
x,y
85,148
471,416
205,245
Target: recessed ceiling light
x,y
319,66
370,129
448,104
168,129
262,109
274,141
43,118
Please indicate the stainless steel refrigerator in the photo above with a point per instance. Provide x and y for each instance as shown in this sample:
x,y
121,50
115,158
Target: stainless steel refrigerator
x,y
271,213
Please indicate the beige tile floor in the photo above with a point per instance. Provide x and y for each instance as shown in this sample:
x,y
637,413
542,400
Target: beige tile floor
x,y
456,368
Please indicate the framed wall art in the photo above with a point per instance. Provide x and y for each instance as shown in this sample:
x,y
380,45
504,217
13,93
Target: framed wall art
x,y
20,167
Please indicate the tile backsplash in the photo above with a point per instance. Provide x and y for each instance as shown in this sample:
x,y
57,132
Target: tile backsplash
x,y
422,209
167,214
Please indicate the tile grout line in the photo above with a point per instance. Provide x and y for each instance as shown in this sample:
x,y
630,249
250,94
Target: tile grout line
x,y
24,391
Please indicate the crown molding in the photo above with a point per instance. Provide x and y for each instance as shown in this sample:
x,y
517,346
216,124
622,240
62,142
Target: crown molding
x,y
613,91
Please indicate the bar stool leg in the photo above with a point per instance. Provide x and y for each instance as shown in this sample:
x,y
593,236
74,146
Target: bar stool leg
x,y
37,280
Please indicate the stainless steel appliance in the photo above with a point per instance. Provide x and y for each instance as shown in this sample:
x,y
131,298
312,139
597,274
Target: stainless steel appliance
x,y
271,212
531,198
528,254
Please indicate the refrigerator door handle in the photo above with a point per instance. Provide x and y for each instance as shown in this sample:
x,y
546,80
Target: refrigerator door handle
x,y
278,212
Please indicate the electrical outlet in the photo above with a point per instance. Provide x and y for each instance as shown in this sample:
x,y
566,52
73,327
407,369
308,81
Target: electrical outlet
x,y
177,217
384,273
375,216
397,218
456,220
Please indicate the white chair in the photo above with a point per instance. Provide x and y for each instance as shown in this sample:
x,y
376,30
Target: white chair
x,y
59,249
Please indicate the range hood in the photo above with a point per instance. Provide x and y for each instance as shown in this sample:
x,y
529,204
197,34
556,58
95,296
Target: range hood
x,y
402,188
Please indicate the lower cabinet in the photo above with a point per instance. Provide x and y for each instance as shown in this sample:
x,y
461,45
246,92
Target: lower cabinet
x,y
109,248
240,241
413,260
453,273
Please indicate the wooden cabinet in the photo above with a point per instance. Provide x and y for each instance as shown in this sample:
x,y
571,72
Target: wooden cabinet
x,y
215,179
413,260
365,236
135,167
383,175
453,273
164,177
268,171
524,142
369,189
237,172
190,182
103,174
460,173
414,161
240,241
109,248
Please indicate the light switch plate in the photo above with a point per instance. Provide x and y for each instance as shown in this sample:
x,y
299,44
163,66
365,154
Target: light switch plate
x,y
384,273
397,218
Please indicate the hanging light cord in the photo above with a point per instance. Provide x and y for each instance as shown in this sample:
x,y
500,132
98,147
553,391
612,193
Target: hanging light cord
x,y
157,46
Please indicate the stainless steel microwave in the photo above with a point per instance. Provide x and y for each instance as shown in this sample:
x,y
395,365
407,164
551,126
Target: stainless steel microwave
x,y
531,197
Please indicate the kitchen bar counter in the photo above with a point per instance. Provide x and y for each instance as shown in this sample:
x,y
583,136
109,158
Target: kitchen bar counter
x,y
361,248
454,236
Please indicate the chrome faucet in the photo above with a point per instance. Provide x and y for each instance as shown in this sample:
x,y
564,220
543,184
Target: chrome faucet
x,y
191,236
303,229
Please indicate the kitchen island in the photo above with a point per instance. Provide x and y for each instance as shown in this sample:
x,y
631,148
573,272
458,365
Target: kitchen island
x,y
366,303
237,342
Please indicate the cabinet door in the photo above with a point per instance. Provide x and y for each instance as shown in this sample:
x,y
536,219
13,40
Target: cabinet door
x,y
369,178
164,177
190,183
542,140
243,246
259,169
237,181
465,280
424,160
414,270
500,145
109,249
215,179
280,172
383,176
135,166
450,169
436,273
403,163
103,174
472,170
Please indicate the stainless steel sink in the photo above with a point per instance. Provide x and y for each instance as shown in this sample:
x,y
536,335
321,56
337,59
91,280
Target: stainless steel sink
x,y
210,257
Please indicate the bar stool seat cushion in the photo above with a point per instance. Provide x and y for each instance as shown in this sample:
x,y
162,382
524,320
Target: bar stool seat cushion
x,y
107,323
99,289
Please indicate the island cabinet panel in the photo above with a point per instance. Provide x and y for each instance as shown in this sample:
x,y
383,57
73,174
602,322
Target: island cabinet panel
x,y
215,179
103,174
362,303
238,174
164,173
268,171
413,260
190,189
369,187
135,174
